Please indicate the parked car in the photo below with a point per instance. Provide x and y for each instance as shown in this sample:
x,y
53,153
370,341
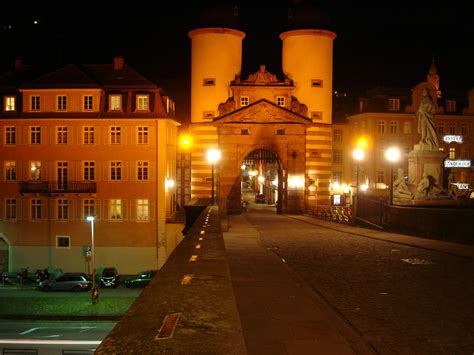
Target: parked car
x,y
109,277
69,281
260,198
141,279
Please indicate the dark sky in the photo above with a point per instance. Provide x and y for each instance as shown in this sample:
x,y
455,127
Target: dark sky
x,y
385,43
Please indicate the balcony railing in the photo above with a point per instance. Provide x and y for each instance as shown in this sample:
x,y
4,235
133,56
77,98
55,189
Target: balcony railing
x,y
52,187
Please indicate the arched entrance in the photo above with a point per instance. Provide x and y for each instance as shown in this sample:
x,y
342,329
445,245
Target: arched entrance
x,y
262,180
4,254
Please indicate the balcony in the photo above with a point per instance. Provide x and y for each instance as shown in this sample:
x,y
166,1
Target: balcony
x,y
57,187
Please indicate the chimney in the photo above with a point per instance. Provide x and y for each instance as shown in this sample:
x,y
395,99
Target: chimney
x,y
18,62
118,63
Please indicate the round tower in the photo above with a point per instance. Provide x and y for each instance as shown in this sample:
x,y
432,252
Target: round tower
x,y
216,58
307,60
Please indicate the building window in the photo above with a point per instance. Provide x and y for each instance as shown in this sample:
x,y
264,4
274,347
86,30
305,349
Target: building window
x,y
281,101
36,208
88,207
280,132
142,103
115,170
142,135
115,102
394,104
35,103
381,127
208,82
61,135
10,208
337,135
63,242
452,128
336,177
316,115
316,83
337,156
450,106
61,103
463,129
63,209
88,103
9,103
393,127
115,209
62,174
465,153
89,170
143,210
244,131
380,177
35,135
115,135
10,135
10,171
452,153
88,135
35,170
407,127
244,101
441,128
142,170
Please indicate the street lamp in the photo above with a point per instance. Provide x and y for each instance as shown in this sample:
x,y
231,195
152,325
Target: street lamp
x,y
91,219
213,155
358,155
392,154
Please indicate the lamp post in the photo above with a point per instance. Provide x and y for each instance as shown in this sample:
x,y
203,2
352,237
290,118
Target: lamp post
x,y
91,219
392,154
358,155
213,155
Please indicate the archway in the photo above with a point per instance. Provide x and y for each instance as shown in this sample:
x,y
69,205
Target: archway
x,y
4,254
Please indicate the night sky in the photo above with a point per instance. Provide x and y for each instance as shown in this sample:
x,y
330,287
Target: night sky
x,y
387,43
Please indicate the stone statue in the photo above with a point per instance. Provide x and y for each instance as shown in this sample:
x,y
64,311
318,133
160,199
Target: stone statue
x,y
298,107
227,106
426,123
400,188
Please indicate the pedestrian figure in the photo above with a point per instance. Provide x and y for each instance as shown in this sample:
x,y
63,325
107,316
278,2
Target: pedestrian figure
x,y
95,295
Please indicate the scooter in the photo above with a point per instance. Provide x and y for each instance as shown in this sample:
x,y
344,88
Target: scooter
x,y
22,276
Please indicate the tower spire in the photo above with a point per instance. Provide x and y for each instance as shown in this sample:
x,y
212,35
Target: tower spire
x,y
433,78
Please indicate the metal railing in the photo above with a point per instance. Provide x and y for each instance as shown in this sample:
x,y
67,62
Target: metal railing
x,y
51,187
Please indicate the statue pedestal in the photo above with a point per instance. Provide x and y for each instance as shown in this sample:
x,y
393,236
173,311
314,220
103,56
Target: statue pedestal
x,y
428,161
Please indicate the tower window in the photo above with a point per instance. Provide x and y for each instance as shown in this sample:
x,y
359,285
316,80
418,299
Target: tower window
x,y
208,82
316,83
208,115
245,131
316,115
280,132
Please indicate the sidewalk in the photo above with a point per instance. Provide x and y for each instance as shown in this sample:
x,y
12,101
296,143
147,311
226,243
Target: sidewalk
x,y
457,249
278,312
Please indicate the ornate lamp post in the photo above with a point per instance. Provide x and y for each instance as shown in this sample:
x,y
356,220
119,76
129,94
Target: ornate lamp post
x,y
392,154
213,156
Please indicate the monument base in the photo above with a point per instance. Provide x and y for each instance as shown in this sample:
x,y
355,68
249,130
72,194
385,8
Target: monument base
x,y
425,161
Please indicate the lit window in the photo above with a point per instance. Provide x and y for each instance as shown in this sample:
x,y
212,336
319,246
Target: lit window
x,y
116,170
88,207
381,127
61,103
35,135
142,135
143,210
35,170
380,176
115,209
10,208
10,135
463,129
115,135
393,127
62,209
88,103
394,104
35,103
142,170
441,128
280,101
452,153
337,156
407,127
89,170
88,135
450,106
63,242
61,134
36,208
9,103
337,135
10,171
142,102
115,103
452,128
244,101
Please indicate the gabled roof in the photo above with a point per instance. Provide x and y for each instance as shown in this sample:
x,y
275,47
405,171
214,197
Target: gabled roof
x,y
262,112
70,76
108,77
17,77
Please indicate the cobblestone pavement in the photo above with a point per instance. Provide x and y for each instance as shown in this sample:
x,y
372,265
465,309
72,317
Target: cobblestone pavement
x,y
424,305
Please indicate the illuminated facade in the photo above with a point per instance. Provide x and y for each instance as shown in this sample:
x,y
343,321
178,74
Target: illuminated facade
x,y
90,140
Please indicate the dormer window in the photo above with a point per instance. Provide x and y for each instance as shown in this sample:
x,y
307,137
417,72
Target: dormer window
x,y
9,105
244,101
61,102
394,104
35,103
450,106
88,103
142,103
280,101
115,102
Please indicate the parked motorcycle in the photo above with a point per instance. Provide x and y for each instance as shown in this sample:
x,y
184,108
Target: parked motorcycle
x,y
22,275
3,277
41,275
